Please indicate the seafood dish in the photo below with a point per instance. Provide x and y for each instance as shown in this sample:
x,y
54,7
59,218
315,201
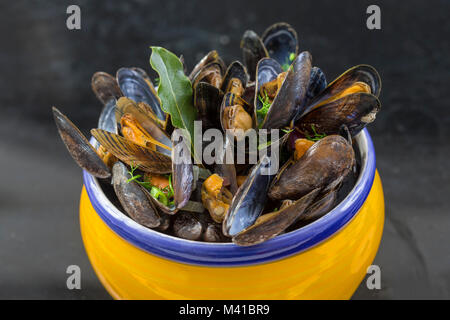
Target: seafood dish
x,y
145,153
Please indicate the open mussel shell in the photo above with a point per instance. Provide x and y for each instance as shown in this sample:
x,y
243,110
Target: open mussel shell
x,y
231,99
317,83
144,116
360,73
224,168
105,87
354,110
235,70
107,119
207,100
253,50
79,147
249,200
182,170
142,73
133,198
210,57
182,177
325,163
133,154
135,87
211,73
267,70
271,224
281,41
289,101
319,208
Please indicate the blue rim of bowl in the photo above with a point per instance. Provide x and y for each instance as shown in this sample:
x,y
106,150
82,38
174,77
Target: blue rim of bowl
x,y
229,254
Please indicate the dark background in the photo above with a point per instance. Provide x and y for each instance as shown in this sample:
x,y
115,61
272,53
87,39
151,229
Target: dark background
x,y
42,63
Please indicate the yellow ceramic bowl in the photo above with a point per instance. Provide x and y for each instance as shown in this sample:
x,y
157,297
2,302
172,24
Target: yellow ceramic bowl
x,y
324,260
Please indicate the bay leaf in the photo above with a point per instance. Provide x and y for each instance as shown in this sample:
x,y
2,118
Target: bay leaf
x,y
174,90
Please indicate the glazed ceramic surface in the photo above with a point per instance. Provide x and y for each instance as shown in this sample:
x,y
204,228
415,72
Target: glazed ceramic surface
x,y
325,260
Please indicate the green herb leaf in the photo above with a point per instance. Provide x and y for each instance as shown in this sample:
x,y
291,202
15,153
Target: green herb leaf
x,y
287,65
135,178
262,112
174,90
162,196
286,131
317,136
159,195
170,185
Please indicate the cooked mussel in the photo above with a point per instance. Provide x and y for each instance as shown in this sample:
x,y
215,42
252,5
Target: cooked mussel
x,y
105,87
253,50
317,83
137,119
236,71
133,154
224,167
133,198
288,98
234,116
281,42
107,91
187,226
358,79
319,208
144,146
213,233
350,100
234,113
301,145
107,119
135,87
209,97
207,100
165,222
215,197
212,73
79,147
172,192
250,199
209,87
271,224
354,111
325,163
182,170
210,57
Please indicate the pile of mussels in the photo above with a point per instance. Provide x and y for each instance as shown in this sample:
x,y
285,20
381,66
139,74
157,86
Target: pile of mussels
x,y
275,88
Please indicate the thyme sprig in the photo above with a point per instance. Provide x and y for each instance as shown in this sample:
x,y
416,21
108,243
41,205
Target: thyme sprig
x,y
317,136
162,195
262,112
136,177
